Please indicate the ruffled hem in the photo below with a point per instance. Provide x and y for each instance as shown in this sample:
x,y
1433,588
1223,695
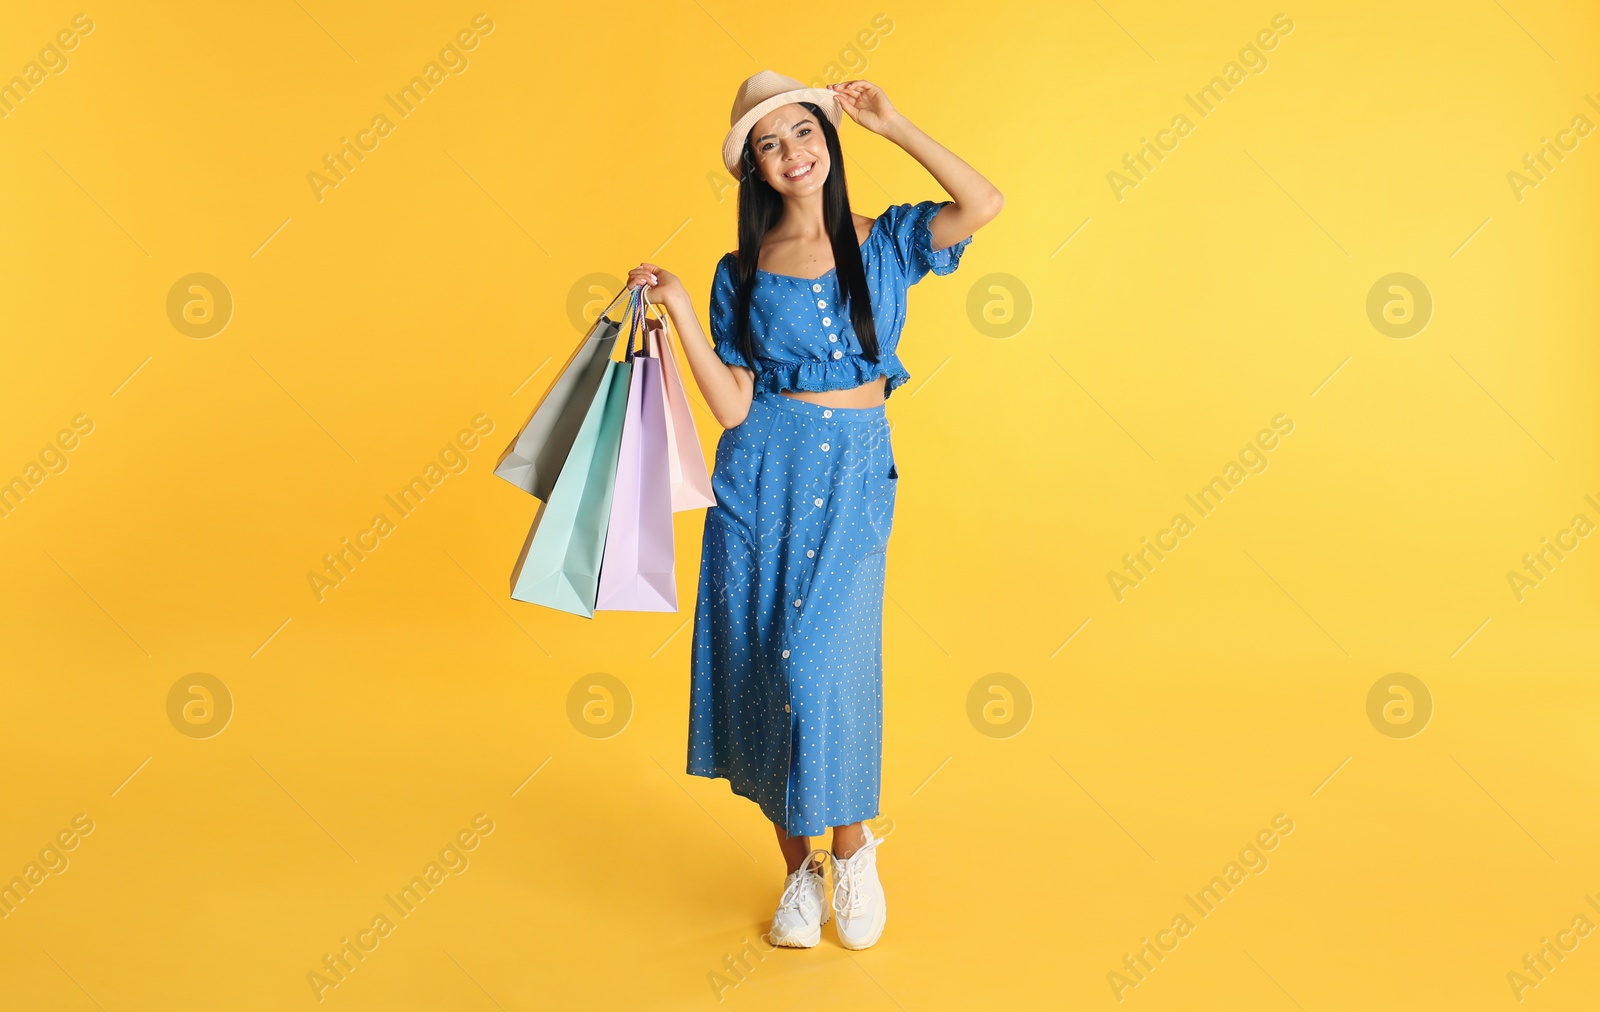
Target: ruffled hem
x,y
829,374
939,261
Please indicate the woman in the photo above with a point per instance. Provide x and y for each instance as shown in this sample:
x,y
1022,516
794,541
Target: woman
x,y
786,697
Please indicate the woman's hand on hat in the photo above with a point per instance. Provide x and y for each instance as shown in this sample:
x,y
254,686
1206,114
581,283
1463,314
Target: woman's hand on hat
x,y
662,286
866,103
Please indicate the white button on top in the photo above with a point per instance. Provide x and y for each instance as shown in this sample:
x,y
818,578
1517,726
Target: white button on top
x,y
827,321
822,303
833,337
817,501
786,653
811,553
816,288
827,412
797,602
824,447
838,354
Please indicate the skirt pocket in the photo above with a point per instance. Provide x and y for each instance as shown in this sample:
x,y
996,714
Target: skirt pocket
x,y
736,473
882,487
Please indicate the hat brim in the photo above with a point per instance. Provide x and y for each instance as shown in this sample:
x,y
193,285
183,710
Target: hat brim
x,y
733,144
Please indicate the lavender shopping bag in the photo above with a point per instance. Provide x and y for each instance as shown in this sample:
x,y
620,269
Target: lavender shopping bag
x,y
534,458
637,571
560,562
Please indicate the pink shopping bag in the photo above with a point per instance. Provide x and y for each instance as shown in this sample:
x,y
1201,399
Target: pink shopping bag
x,y
686,463
637,572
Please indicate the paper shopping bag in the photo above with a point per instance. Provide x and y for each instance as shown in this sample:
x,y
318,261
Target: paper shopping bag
x,y
637,570
560,562
534,458
686,463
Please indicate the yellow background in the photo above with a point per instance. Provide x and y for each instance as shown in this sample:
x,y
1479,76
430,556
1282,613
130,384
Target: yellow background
x,y
371,326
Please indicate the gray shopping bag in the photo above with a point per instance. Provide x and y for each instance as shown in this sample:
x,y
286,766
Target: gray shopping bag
x,y
533,460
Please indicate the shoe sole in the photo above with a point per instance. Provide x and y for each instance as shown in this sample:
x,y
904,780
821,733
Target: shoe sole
x,y
882,922
799,941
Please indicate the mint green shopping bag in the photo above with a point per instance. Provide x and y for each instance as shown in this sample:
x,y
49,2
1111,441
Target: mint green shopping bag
x,y
560,562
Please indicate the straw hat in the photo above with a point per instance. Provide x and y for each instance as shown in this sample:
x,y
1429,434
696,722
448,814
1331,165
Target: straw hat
x,y
760,95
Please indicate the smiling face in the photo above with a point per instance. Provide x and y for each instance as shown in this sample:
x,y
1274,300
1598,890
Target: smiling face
x,y
791,152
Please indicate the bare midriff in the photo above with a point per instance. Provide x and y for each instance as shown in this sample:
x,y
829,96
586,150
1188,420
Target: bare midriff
x,y
867,395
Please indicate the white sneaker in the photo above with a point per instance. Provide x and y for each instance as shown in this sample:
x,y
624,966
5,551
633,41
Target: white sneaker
x,y
858,896
803,907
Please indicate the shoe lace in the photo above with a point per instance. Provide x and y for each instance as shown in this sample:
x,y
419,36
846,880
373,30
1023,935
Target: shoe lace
x,y
850,879
801,880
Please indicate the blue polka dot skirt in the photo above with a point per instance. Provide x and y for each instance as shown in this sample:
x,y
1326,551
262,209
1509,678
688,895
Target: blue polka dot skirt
x,y
786,697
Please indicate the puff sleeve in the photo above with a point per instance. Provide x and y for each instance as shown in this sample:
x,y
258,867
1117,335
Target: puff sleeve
x,y
909,232
722,310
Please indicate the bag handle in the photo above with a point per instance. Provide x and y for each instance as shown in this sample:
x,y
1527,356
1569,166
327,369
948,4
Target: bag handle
x,y
635,312
638,302
661,314
607,310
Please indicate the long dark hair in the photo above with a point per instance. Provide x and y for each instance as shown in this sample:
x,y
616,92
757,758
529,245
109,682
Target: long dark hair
x,y
760,208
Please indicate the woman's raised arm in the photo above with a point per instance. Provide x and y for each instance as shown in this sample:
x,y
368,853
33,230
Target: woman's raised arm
x,y
976,200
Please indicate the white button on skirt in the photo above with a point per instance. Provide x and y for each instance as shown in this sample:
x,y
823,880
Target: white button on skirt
x,y
786,702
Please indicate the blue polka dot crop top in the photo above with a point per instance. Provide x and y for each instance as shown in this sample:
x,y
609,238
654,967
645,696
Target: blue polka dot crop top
x,y
802,339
